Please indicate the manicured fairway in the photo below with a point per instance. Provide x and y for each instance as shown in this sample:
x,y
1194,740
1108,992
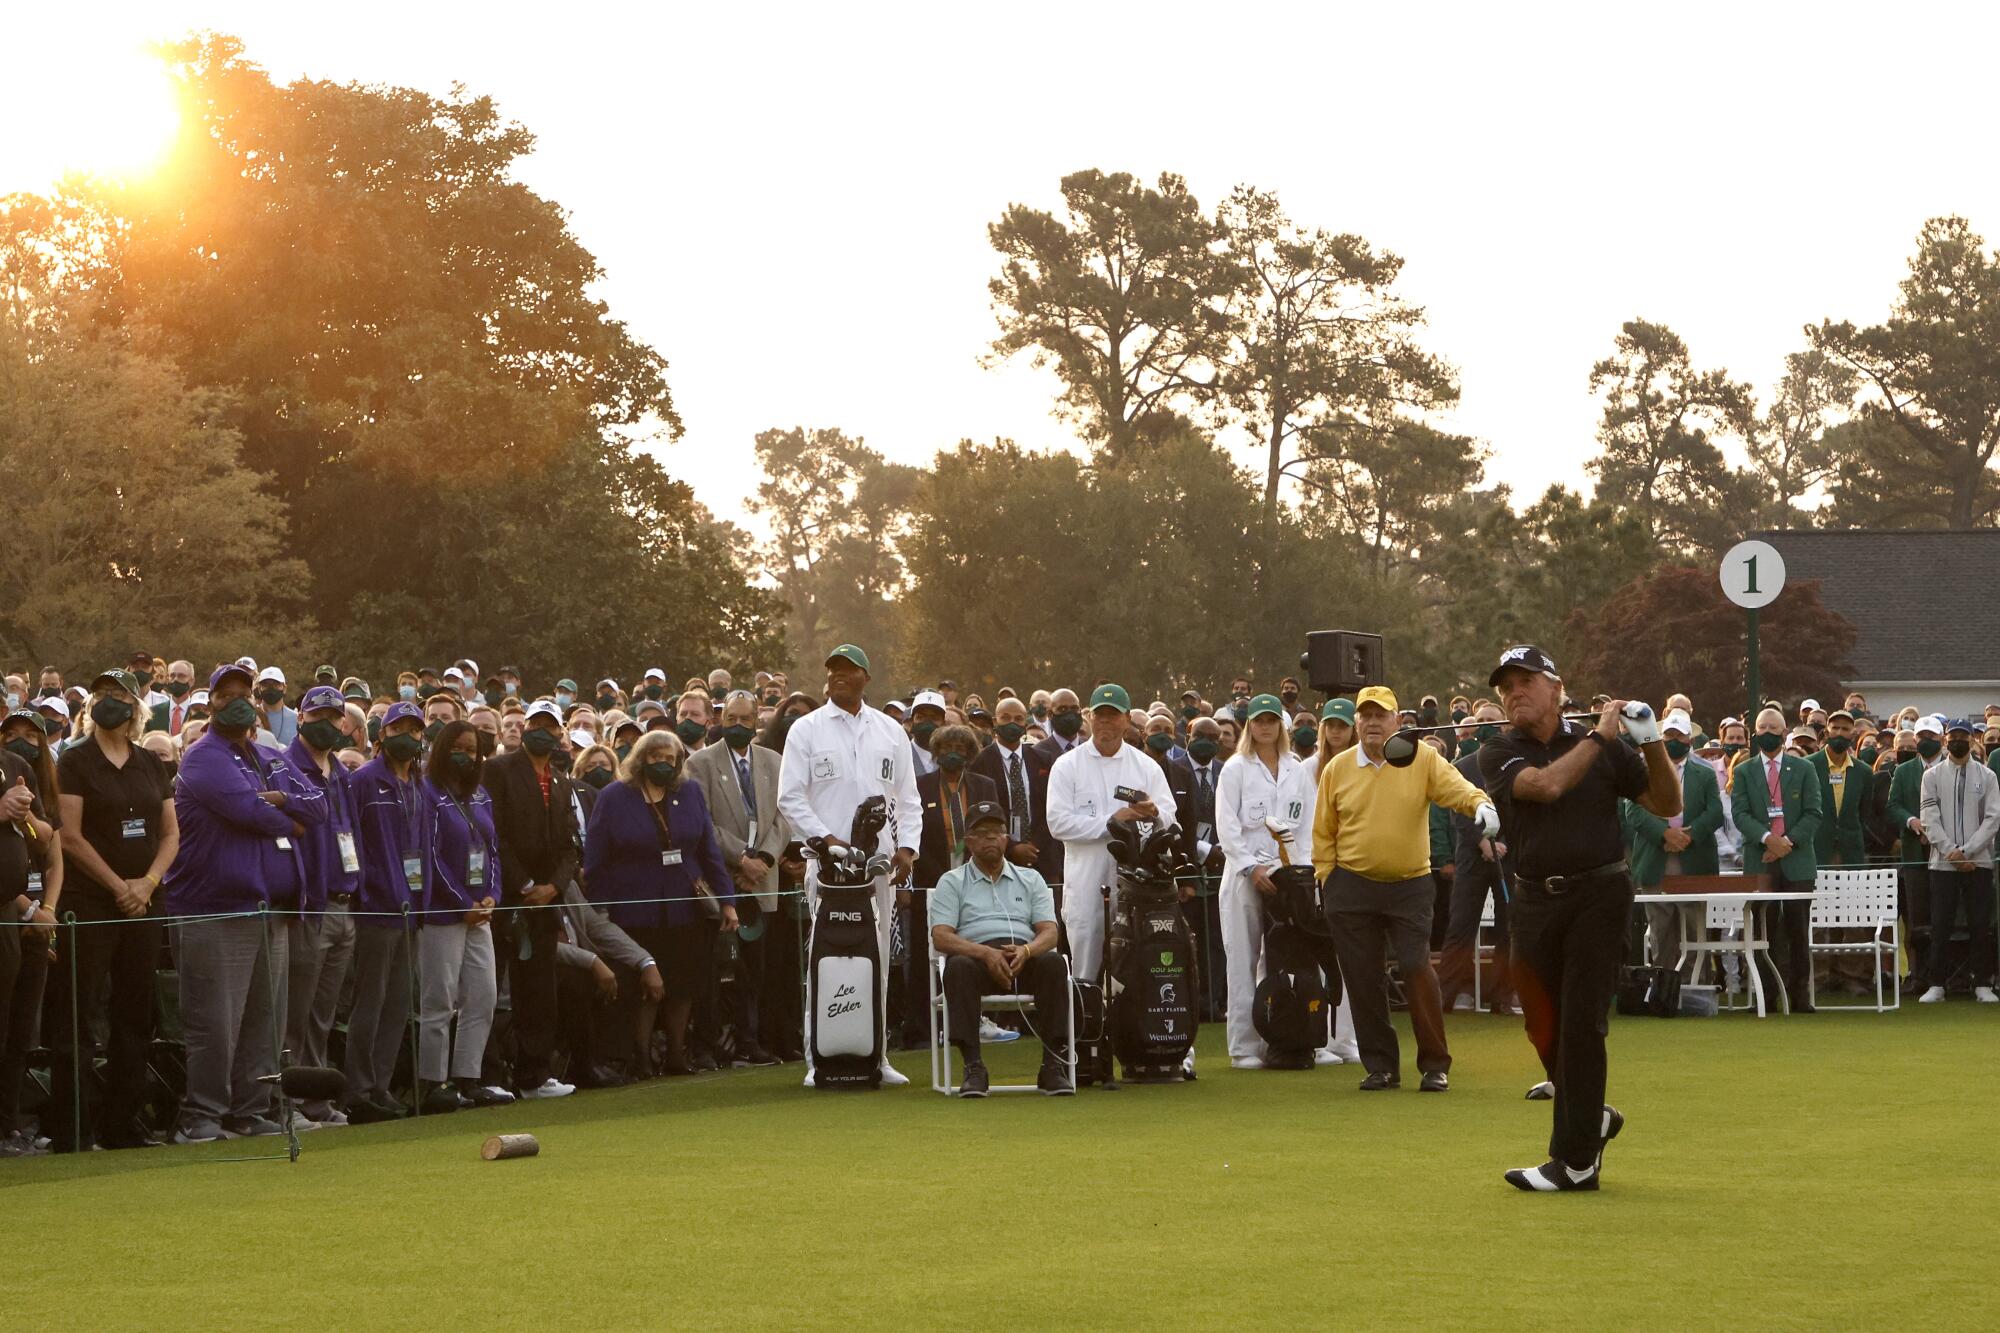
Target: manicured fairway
x,y
1830,1171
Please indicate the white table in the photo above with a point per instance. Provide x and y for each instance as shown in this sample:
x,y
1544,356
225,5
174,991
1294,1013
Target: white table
x,y
1753,943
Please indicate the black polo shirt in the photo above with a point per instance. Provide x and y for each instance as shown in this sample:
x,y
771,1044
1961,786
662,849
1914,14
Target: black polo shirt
x,y
15,859
121,805
1582,830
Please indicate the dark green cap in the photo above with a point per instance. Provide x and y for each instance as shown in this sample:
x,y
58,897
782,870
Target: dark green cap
x,y
120,677
1110,696
1265,703
1338,708
852,654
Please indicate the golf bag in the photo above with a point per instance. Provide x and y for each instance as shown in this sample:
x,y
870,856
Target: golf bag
x,y
1150,976
844,962
1093,1051
1290,1008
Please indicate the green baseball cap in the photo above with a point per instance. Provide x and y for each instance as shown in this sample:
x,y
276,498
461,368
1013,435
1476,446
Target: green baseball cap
x,y
1265,703
1340,709
120,677
850,653
1110,696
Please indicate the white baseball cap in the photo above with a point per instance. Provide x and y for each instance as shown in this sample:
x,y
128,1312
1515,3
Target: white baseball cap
x,y
654,673
247,662
930,697
272,674
1932,723
453,673
1808,705
53,704
582,740
1678,720
544,708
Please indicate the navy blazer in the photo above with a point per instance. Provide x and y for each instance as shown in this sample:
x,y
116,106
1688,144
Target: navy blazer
x,y
933,852
622,863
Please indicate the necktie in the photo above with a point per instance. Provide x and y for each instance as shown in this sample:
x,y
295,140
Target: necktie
x,y
1204,805
1777,800
1017,790
175,729
743,781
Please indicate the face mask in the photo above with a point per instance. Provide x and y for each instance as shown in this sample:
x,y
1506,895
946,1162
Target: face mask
x,y
110,714
321,735
26,751
272,695
1486,731
1677,750
492,697
178,688
599,778
406,691
512,687
461,766
374,730
1928,749
1429,713
1768,743
236,717
13,699
951,763
540,744
660,775
1068,724
1458,715
426,691
1010,732
655,691
563,701
1305,738
402,747
1839,744
1041,712
1290,696
606,702
47,692
1159,742
623,752
1730,749
1905,756
1470,745
173,767
431,732
1190,712
1868,754
691,732
739,737
1203,750
1958,747
923,732
487,743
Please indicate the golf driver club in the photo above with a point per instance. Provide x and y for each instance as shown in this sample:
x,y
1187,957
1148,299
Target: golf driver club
x,y
1400,750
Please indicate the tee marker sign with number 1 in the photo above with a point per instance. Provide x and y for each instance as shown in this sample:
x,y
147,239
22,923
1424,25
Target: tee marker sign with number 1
x,y
1753,574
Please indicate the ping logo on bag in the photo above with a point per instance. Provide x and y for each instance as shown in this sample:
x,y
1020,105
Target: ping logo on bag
x,y
854,917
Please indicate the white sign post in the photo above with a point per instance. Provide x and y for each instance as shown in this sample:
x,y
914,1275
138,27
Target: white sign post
x,y
1753,574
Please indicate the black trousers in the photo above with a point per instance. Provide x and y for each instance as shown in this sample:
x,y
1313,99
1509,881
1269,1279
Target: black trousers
x,y
1045,978
1949,888
531,990
1567,950
1368,917
1788,926
1469,887
1915,885
781,1009
743,998
17,1037
123,953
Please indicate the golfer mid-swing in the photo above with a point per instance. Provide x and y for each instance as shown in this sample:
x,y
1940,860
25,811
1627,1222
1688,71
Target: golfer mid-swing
x,y
1557,785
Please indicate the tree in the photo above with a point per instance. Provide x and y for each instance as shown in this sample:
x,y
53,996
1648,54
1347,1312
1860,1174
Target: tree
x,y
1661,418
1674,630
1125,297
1319,333
1932,371
130,516
836,509
1794,447
1386,483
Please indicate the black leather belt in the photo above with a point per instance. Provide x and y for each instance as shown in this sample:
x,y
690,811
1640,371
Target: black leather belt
x,y
1564,883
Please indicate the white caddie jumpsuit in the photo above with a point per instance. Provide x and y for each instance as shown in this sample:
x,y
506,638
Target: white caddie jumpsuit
x,y
1248,794
1080,802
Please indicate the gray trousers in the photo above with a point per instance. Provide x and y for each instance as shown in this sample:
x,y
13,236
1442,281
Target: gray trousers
x,y
1663,929
232,1011
455,966
321,947
381,1011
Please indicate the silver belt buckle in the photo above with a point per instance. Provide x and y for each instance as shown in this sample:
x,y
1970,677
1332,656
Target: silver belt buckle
x,y
1557,884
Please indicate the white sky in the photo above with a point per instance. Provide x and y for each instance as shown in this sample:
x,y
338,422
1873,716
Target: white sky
x,y
791,201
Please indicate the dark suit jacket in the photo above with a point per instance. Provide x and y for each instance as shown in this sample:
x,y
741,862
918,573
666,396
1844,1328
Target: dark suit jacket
x,y
538,843
1842,837
1050,862
990,764
934,852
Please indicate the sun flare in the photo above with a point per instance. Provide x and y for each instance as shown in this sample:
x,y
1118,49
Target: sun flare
x,y
110,113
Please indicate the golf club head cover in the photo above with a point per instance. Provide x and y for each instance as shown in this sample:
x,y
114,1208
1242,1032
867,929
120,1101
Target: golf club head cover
x,y
1640,724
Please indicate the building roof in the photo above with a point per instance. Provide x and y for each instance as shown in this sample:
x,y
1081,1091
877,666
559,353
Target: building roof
x,y
1923,604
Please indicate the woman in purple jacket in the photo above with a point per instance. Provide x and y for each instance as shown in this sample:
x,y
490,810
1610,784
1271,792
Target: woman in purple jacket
x,y
455,949
649,851
390,806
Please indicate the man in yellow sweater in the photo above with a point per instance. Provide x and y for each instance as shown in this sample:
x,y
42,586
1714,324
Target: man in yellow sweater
x,y
1371,850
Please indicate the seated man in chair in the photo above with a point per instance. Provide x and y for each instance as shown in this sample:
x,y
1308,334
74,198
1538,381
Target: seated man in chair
x,y
994,924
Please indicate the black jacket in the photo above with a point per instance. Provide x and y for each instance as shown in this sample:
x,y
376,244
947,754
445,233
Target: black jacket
x,y
538,842
990,764
934,852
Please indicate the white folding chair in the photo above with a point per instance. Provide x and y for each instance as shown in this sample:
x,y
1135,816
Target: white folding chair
x,y
1006,1002
1859,900
1724,920
1483,949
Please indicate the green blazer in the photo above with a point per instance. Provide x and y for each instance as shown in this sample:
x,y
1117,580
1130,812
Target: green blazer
x,y
1701,816
1444,842
1906,802
1798,789
160,717
1842,837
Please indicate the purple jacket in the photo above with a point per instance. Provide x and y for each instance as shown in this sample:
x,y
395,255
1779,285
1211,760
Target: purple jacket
x,y
622,865
392,818
238,851
453,831
320,848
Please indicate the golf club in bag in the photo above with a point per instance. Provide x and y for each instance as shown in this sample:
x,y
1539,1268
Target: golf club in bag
x,y
1149,959
844,961
1291,1008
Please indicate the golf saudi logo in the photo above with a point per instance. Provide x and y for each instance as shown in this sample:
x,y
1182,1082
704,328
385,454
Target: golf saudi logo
x,y
1166,958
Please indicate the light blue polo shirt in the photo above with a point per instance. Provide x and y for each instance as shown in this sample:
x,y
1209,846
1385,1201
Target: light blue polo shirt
x,y
990,911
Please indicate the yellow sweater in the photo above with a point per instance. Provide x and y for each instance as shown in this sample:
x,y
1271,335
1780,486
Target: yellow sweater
x,y
1375,820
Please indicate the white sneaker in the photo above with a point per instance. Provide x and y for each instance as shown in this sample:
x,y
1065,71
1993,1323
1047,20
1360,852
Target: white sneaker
x,y
1245,1062
891,1077
991,1033
1187,1064
1326,1055
1935,995
301,1122
550,1088
1544,1091
808,1079
1349,1052
501,1096
1985,995
1463,1005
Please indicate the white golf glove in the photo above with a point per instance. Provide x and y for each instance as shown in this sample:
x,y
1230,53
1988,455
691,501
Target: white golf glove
x,y
1640,724
1489,820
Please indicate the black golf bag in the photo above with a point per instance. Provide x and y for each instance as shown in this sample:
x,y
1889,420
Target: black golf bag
x,y
1291,1006
844,962
1150,975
